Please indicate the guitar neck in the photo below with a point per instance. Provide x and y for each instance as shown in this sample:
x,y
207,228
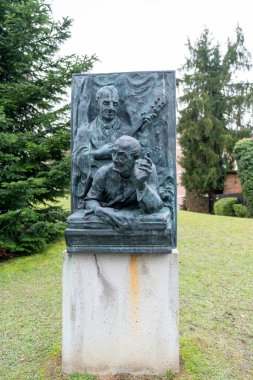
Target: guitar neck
x,y
154,109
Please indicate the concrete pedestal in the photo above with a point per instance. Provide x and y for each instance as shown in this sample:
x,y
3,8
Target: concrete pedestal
x,y
120,313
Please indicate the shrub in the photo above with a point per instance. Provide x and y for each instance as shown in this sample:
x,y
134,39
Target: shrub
x,y
30,230
225,206
241,211
243,153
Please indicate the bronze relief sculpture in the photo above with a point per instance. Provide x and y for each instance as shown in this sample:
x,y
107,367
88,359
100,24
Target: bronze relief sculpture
x,y
123,163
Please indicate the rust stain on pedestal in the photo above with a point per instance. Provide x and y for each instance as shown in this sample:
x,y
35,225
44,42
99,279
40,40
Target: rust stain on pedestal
x,y
134,287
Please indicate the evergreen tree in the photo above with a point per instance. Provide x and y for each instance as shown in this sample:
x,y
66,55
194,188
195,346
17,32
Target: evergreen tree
x,y
215,110
34,123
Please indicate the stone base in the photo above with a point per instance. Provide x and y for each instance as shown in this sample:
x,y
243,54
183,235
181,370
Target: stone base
x,y
120,313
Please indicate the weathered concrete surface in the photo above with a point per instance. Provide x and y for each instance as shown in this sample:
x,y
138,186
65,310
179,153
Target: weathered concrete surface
x,y
120,313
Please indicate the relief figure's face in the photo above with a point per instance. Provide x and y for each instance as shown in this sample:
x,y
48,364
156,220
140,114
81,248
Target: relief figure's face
x,y
123,159
108,105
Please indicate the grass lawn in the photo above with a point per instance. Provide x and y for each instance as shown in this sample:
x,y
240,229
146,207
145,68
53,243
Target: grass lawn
x,y
216,305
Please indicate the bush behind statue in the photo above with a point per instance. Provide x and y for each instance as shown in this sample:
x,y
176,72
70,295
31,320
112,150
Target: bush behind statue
x,y
225,206
241,211
243,153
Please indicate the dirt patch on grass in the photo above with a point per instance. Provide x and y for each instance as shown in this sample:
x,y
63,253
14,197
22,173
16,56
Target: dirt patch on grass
x,y
52,371
126,376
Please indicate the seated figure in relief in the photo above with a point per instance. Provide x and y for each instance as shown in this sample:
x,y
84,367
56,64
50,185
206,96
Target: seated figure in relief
x,y
124,186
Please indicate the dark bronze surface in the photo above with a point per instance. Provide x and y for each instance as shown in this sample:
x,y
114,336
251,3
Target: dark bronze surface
x,y
123,163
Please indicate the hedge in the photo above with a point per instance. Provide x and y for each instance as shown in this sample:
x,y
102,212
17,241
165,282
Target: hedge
x,y
225,207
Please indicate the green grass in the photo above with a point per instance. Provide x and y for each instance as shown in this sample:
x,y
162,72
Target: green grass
x,y
216,305
216,294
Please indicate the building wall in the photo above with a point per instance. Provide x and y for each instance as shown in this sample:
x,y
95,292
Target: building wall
x,y
232,184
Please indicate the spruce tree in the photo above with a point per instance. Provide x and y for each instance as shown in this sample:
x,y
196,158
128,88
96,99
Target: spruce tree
x,y
34,123
216,110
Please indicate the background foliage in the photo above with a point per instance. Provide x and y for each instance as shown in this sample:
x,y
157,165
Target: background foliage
x,y
214,110
243,153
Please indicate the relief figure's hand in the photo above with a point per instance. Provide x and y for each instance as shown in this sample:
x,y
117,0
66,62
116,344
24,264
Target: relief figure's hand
x,y
148,117
104,152
142,172
109,215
